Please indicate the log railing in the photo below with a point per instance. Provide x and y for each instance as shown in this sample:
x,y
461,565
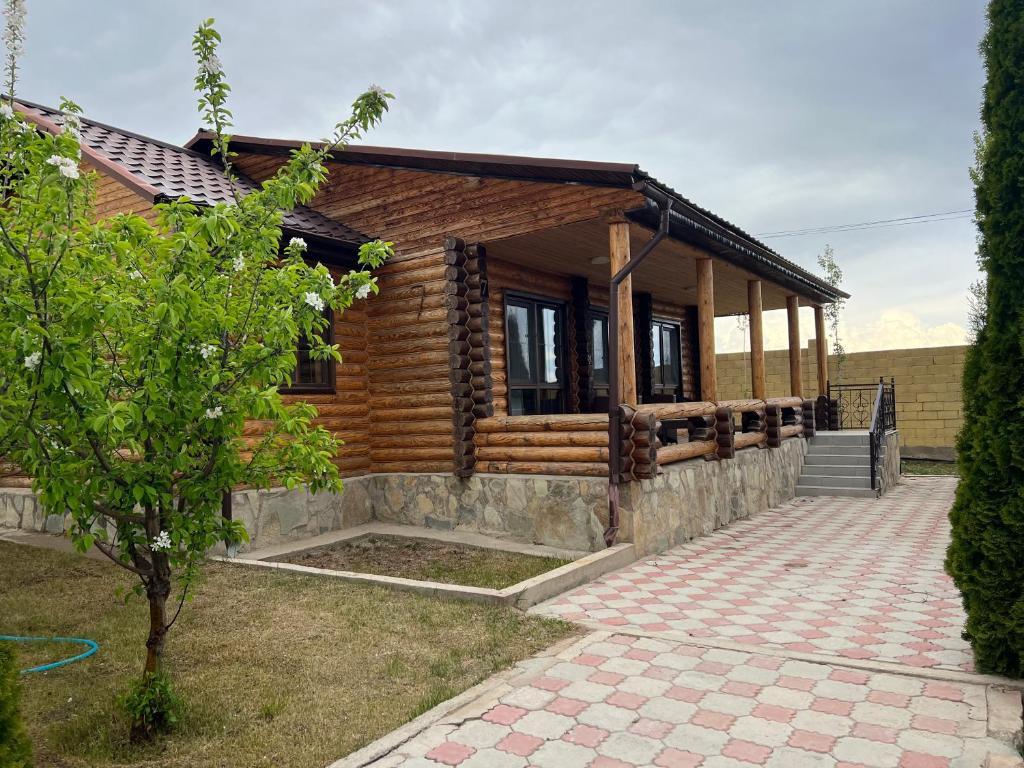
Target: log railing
x,y
577,443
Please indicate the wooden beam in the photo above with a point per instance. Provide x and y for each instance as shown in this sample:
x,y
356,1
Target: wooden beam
x,y
822,348
618,251
757,378
793,316
706,329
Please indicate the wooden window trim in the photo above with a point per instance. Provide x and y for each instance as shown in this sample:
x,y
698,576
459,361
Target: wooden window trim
x,y
563,359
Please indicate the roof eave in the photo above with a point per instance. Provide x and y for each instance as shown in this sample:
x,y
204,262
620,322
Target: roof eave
x,y
689,224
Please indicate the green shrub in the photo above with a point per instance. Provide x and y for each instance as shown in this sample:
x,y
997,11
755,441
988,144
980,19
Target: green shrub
x,y
152,705
986,555
15,749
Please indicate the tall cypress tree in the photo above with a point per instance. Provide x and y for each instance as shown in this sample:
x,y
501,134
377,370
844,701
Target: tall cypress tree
x,y
986,556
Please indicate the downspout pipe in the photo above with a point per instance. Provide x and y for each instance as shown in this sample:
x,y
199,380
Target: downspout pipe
x,y
614,381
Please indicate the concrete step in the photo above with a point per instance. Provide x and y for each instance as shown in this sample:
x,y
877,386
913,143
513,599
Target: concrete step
x,y
837,470
825,459
840,438
839,450
817,490
827,481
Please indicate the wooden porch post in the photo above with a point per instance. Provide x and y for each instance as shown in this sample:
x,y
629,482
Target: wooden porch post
x,y
706,330
822,347
757,383
618,246
793,315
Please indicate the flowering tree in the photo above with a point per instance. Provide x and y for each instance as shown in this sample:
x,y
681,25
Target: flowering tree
x,y
135,353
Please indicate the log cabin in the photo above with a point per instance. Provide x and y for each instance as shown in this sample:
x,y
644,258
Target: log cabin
x,y
540,361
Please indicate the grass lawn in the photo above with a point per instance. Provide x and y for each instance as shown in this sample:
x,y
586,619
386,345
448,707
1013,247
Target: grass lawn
x,y
427,560
277,669
924,467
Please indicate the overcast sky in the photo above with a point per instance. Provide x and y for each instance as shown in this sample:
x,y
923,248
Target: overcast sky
x,y
776,116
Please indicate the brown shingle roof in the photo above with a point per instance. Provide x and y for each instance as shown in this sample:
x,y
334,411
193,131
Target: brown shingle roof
x,y
160,170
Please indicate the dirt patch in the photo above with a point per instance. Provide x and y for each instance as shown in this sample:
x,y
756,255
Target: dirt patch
x,y
426,560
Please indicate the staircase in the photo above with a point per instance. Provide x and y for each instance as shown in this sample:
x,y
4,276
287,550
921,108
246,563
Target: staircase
x,y
837,464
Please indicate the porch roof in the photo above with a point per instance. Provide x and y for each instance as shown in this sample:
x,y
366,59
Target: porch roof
x,y
690,223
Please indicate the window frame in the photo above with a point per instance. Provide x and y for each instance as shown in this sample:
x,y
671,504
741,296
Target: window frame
x,y
594,315
657,323
309,388
534,302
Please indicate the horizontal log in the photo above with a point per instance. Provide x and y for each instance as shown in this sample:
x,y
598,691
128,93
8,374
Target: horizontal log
x,y
412,414
679,410
411,454
410,360
682,451
595,438
438,427
412,441
413,466
541,468
792,430
747,439
340,411
381,403
785,402
566,422
541,453
423,374
742,406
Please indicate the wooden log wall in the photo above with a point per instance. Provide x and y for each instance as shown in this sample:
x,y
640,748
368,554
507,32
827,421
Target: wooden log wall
x,y
563,444
410,399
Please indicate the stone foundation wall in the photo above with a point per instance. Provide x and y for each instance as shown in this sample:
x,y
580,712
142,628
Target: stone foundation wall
x,y
889,467
689,499
693,498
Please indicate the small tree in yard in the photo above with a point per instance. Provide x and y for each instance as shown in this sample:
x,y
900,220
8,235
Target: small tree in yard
x,y
986,555
833,312
133,354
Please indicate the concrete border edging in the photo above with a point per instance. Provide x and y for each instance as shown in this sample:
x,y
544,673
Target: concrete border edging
x,y
522,595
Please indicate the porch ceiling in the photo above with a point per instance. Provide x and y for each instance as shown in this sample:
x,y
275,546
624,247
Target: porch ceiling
x,y
668,274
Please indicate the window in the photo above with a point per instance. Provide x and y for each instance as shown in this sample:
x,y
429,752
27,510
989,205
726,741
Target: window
x,y
599,352
665,371
535,339
313,375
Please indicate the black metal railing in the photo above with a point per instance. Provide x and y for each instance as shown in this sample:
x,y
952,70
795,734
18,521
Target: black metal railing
x,y
863,406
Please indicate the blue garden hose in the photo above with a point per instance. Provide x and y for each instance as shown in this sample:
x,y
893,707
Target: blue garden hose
x,y
92,648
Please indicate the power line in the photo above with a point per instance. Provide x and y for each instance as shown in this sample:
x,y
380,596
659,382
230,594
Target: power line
x,y
926,218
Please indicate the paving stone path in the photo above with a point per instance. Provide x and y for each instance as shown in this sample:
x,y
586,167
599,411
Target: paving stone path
x,y
859,578
814,635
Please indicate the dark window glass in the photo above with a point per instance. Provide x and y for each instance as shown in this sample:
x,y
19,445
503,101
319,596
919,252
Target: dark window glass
x,y
599,350
535,339
313,375
665,373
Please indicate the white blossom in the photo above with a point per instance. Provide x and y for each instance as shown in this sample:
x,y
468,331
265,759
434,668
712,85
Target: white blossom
x,y
211,65
72,124
314,300
297,242
5,111
14,32
363,291
161,543
214,413
238,263
67,166
135,275
208,351
376,89
32,361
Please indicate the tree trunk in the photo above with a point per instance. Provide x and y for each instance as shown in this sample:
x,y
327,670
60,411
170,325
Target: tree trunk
x,y
157,594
